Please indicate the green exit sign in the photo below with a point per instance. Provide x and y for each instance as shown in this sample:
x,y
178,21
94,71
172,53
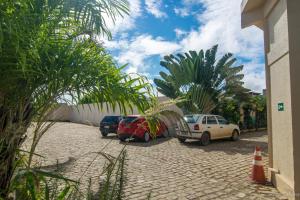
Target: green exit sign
x,y
280,106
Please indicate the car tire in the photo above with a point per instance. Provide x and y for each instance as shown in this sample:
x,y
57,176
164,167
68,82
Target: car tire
x,y
146,137
122,139
205,139
181,140
165,134
235,135
104,134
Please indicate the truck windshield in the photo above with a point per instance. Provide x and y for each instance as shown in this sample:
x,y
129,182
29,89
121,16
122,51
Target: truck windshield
x,y
191,118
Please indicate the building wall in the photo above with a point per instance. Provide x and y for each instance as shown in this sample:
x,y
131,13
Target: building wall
x,y
280,20
278,62
293,7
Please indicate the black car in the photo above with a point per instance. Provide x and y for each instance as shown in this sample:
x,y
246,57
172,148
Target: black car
x,y
109,124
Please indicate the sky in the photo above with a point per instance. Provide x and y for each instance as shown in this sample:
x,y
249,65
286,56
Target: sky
x,y
156,28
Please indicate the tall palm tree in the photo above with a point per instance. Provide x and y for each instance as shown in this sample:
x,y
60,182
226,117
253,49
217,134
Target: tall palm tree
x,y
49,54
200,78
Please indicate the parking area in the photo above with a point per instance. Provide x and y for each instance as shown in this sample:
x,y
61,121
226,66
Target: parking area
x,y
164,168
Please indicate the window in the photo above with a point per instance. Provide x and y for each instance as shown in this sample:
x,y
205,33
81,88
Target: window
x,y
191,118
211,120
222,120
204,120
128,120
111,119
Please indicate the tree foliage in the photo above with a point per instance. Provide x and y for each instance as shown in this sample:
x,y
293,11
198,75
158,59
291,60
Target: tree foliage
x,y
230,109
49,54
200,78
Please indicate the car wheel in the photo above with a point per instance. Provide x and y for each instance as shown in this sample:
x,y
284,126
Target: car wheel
x,y
104,134
181,140
205,139
235,135
146,137
165,134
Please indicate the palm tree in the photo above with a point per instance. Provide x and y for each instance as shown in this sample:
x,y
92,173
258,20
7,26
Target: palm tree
x,y
49,54
200,79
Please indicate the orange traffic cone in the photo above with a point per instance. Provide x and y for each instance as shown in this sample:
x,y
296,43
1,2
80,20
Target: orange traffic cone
x,y
258,173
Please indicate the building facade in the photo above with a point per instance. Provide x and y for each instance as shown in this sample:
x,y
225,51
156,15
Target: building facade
x,y
280,20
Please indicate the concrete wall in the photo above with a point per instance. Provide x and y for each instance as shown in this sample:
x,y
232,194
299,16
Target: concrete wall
x,y
92,114
280,20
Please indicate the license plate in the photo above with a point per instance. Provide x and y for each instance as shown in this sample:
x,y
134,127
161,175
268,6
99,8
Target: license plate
x,y
106,126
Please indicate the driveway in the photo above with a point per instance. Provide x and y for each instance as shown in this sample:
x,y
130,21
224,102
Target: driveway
x,y
164,168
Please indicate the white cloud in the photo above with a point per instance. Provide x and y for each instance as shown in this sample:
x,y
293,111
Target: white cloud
x,y
221,24
179,32
154,7
255,81
182,12
127,22
254,75
138,49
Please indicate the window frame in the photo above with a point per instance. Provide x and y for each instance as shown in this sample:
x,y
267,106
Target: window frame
x,y
216,120
223,119
204,118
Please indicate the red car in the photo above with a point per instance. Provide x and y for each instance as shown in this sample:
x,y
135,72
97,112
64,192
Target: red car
x,y
136,127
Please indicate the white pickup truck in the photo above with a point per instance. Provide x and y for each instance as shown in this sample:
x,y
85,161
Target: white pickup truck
x,y
206,127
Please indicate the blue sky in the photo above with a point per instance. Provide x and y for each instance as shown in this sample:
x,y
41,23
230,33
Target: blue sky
x,y
156,28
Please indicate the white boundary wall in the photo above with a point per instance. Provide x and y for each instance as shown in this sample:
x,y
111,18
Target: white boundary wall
x,y
91,114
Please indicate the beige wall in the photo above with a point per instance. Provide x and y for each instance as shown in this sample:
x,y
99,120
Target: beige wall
x,y
280,20
278,63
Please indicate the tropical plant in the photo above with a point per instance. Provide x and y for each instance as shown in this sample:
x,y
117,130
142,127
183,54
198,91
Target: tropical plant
x,y
41,184
200,78
163,111
230,109
259,106
49,54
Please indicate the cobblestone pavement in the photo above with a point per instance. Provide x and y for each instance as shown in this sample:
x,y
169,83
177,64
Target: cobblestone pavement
x,y
164,168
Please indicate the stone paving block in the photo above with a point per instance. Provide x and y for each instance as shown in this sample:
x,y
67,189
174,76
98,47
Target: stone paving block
x,y
166,168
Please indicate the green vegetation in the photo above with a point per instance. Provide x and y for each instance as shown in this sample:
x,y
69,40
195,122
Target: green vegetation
x,y
211,86
200,79
249,112
49,54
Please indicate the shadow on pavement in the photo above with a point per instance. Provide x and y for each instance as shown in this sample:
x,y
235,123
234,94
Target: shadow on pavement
x,y
136,142
59,167
245,145
152,142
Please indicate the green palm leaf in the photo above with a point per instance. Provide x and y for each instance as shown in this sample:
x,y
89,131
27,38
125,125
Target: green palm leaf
x,y
200,79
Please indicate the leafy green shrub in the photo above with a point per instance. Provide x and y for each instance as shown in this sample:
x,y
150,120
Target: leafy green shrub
x,y
37,184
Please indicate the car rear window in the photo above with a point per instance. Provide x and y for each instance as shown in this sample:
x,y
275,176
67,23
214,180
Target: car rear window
x,y
191,118
111,119
129,119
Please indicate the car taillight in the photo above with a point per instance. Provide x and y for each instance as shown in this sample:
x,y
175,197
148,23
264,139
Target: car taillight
x,y
196,127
